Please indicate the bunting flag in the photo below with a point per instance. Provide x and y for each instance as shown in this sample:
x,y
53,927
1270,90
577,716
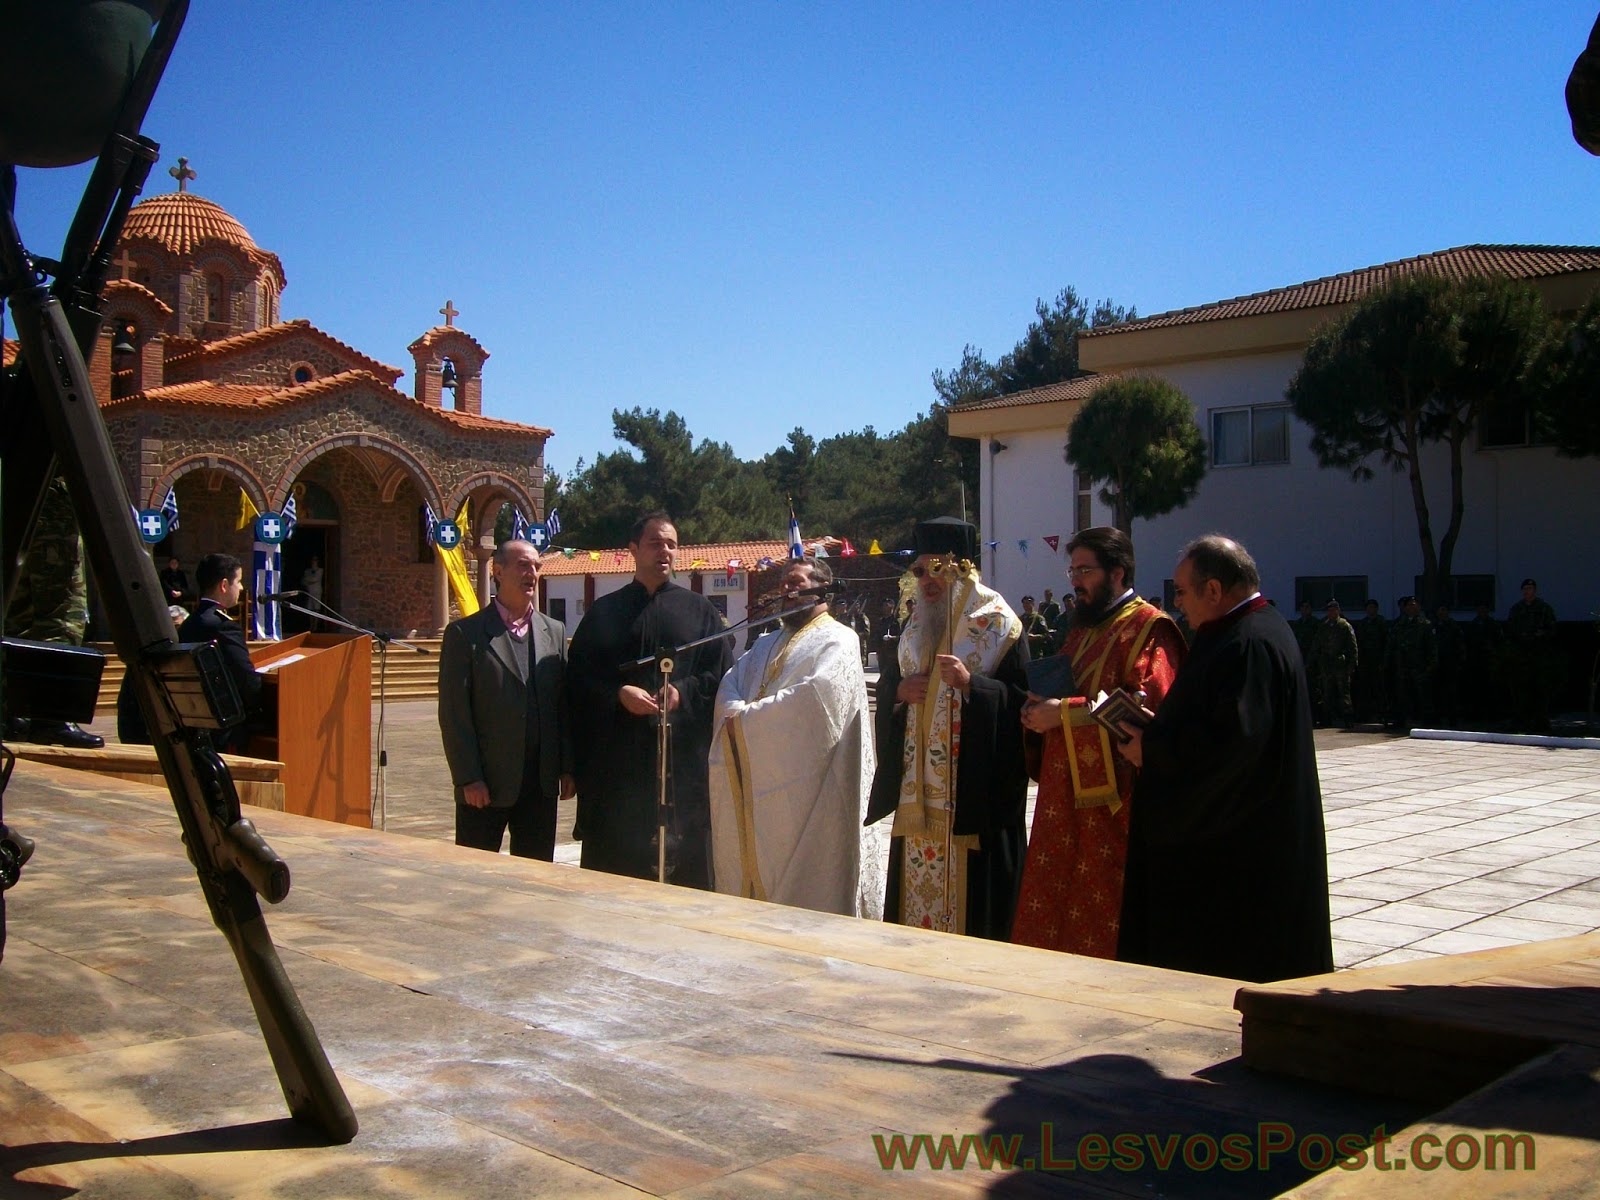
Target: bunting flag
x,y
594,556
1053,540
267,574
993,545
874,548
733,567
455,566
619,558
846,550
247,511
552,523
428,522
819,549
519,526
291,517
763,563
169,510
796,550
699,564
1022,544
567,552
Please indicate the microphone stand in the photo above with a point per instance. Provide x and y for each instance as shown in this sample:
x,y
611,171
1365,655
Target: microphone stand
x,y
663,662
378,805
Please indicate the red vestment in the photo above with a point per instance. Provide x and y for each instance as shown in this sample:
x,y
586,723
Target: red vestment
x,y
1071,896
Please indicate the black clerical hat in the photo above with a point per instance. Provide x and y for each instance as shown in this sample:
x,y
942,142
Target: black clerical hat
x,y
947,535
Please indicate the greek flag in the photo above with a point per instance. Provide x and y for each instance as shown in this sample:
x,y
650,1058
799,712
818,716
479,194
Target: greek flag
x,y
428,522
552,523
519,526
267,574
796,550
169,510
290,518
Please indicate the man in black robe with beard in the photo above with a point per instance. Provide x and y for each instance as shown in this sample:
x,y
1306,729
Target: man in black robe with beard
x,y
614,716
1227,863
956,670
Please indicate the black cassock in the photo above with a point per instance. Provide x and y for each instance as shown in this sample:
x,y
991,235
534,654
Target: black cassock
x,y
991,787
615,751
1227,864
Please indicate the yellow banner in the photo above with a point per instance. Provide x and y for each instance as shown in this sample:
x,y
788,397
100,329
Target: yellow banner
x,y
455,566
247,510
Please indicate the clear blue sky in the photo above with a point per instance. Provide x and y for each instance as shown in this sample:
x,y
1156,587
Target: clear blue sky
x,y
765,215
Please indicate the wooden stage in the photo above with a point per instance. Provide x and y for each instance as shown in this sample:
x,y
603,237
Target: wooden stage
x,y
507,1028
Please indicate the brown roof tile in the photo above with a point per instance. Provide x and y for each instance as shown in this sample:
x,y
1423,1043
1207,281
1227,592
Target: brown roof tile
x,y
206,393
1080,388
241,342
181,222
1461,262
9,349
619,562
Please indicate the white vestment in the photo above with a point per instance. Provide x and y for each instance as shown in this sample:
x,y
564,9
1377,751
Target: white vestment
x,y
791,772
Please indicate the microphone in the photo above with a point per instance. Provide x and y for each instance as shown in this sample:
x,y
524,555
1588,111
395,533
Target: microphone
x,y
278,595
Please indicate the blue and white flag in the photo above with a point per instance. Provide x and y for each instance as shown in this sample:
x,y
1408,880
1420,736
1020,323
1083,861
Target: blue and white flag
x,y
796,550
552,523
169,509
519,526
267,575
291,518
428,522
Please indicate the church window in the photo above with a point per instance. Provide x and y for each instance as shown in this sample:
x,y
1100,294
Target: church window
x,y
302,372
216,298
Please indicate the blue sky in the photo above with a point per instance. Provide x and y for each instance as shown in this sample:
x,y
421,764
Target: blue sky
x,y
766,215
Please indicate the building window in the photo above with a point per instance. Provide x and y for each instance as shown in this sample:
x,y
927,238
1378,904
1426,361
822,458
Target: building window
x,y
1082,513
1349,590
216,299
1245,437
1463,593
1503,426
302,373
555,607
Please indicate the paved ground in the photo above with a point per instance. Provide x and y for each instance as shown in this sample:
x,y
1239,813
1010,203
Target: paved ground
x,y
1433,847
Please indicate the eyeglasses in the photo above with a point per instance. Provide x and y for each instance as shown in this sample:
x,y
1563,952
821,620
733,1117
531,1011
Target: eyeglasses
x,y
919,572
1080,572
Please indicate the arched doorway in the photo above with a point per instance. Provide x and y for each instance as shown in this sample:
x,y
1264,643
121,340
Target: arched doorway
x,y
316,538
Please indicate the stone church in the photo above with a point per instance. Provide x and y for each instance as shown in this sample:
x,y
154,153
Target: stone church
x,y
206,389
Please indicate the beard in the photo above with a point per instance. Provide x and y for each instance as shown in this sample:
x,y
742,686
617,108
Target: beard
x,y
933,617
1094,604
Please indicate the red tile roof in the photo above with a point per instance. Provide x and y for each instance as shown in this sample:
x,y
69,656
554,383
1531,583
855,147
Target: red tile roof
x,y
711,557
241,342
1461,262
206,393
1080,388
181,222
9,349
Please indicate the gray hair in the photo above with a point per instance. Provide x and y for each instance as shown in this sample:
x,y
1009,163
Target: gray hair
x,y
1223,559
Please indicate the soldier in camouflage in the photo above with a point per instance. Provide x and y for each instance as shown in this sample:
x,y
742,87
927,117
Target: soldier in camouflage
x,y
1532,663
1305,636
1485,672
1413,655
1452,645
1334,655
51,604
1372,643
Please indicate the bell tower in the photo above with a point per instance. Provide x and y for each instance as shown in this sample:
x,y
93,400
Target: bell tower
x,y
449,360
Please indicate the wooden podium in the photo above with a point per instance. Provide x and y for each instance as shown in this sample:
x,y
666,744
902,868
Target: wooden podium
x,y
316,713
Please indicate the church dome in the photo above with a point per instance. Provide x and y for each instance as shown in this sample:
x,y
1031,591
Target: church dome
x,y
182,221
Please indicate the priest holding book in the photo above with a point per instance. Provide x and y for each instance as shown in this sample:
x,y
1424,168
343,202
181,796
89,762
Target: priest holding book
x,y
1071,898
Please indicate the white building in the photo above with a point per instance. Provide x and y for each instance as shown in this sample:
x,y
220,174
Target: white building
x,y
1314,533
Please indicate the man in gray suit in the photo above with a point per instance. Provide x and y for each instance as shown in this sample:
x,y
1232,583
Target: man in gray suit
x,y
502,714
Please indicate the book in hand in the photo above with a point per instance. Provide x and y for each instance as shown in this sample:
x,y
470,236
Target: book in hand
x,y
1051,678
1120,707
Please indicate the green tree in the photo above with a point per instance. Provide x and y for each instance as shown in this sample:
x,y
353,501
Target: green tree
x,y
1419,361
1048,351
1138,435
1567,382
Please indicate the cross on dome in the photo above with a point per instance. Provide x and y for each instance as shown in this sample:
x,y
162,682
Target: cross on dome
x,y
449,312
182,173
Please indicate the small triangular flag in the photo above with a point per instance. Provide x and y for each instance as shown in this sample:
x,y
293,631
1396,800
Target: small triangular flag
x,y
1053,540
874,548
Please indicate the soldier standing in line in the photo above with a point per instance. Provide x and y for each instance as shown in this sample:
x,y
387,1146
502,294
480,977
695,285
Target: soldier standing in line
x,y
51,604
1485,676
1412,658
1372,644
1305,635
1531,630
1452,646
1035,630
1334,655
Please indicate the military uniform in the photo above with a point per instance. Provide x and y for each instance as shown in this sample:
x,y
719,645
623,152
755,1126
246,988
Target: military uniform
x,y
1413,654
1452,647
1372,644
1485,685
1531,632
1334,654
